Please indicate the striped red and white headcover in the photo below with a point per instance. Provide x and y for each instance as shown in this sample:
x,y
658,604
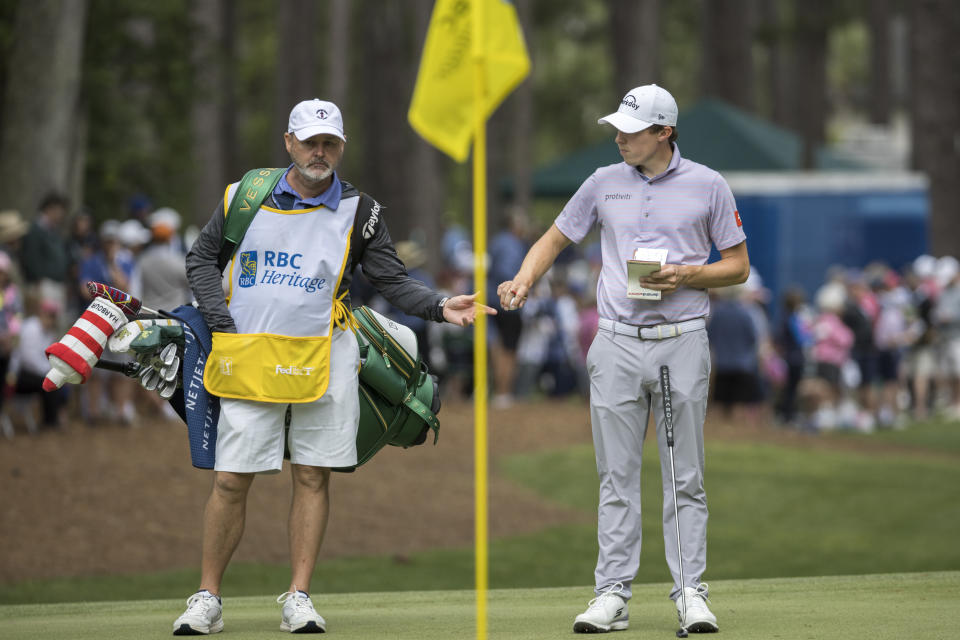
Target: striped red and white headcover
x,y
73,357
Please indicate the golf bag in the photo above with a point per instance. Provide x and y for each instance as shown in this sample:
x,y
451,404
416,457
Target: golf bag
x,y
399,399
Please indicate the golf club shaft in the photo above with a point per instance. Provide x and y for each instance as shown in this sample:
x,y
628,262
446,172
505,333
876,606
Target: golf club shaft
x,y
668,428
129,369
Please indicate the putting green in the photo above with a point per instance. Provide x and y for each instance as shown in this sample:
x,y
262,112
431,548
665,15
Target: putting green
x,y
886,606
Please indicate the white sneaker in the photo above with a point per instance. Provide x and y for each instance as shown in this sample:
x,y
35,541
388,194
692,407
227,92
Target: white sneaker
x,y
606,612
204,615
298,614
699,619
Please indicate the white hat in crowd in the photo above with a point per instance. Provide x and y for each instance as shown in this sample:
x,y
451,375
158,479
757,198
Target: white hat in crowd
x,y
165,217
131,233
313,117
644,107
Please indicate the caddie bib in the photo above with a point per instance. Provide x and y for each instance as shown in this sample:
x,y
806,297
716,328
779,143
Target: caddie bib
x,y
281,287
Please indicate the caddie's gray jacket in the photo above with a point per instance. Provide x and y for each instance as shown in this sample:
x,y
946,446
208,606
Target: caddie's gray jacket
x,y
370,247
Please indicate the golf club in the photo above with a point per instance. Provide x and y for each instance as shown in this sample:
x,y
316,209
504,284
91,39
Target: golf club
x,y
668,427
132,307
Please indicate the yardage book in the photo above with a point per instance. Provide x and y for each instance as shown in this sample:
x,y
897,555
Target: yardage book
x,y
645,261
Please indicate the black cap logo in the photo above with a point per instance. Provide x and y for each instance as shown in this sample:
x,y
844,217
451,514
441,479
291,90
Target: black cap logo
x,y
630,101
321,114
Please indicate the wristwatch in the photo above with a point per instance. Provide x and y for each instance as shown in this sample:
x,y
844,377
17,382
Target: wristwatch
x,y
442,302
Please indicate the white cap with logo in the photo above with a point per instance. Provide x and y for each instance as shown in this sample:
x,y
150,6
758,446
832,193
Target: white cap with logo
x,y
313,117
643,107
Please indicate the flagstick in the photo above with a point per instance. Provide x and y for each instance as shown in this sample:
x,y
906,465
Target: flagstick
x,y
480,331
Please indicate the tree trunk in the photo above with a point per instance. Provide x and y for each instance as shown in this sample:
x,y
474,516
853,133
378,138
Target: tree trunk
x,y
338,37
41,101
429,167
296,74
935,65
727,59
879,99
521,137
811,76
635,36
207,111
780,67
387,84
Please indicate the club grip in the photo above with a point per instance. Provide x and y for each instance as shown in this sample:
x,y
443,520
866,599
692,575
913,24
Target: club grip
x,y
667,403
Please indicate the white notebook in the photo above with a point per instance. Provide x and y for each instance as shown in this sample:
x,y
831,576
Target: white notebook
x,y
645,261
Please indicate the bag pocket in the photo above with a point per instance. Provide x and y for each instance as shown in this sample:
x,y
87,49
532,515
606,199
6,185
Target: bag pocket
x,y
267,367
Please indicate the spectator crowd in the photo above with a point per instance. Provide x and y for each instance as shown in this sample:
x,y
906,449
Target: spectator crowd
x,y
870,348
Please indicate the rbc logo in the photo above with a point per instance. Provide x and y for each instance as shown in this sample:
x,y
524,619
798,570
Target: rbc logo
x,y
248,269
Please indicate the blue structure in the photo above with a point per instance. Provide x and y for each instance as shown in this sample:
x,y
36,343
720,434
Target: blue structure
x,y
800,224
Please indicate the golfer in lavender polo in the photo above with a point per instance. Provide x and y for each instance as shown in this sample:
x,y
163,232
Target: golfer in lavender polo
x,y
674,210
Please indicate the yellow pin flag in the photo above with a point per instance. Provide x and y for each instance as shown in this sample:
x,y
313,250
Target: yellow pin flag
x,y
444,106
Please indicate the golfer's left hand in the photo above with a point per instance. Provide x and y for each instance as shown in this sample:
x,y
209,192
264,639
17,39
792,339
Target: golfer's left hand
x,y
462,310
668,279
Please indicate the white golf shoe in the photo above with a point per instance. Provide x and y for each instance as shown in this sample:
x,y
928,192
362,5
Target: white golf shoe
x,y
699,618
298,614
606,612
204,615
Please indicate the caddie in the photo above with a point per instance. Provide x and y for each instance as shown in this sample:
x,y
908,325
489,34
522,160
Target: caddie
x,y
279,313
660,211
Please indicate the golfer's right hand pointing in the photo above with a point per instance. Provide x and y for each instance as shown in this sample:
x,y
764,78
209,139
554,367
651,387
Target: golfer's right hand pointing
x,y
513,294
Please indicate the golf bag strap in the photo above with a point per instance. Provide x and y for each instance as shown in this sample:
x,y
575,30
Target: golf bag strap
x,y
253,189
422,410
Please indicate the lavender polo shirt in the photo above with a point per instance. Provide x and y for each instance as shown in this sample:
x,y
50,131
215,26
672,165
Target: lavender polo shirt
x,y
685,209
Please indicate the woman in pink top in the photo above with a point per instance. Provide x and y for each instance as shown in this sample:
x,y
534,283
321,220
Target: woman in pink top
x,y
832,341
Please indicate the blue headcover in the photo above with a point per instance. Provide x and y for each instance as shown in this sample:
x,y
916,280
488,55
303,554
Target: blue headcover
x,y
199,409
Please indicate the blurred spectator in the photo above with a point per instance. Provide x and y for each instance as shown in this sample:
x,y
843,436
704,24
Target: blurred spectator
x,y
859,314
81,244
29,365
139,208
414,257
922,358
12,229
734,341
160,276
507,250
44,256
112,265
832,341
794,338
892,336
946,317
11,316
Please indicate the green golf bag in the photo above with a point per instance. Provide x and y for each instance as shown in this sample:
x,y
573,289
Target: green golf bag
x,y
399,399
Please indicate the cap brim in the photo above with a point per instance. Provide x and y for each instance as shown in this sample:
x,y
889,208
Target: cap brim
x,y
308,132
624,123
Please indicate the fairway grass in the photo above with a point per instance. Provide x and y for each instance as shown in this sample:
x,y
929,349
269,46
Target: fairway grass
x,y
882,607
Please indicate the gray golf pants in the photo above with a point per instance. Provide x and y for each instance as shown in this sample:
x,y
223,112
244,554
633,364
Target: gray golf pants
x,y
624,388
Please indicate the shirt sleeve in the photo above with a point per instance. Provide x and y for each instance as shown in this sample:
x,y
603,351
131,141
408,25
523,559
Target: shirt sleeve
x,y
386,272
580,213
726,229
205,277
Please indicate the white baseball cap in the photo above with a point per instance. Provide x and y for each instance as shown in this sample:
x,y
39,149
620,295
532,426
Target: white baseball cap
x,y
313,117
643,107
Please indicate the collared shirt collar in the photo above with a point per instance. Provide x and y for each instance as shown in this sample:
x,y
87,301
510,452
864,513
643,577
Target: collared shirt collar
x,y
329,198
674,163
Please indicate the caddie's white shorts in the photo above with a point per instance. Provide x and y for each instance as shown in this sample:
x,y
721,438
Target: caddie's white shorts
x,y
323,433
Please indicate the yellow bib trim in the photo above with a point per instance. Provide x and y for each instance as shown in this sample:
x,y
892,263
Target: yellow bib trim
x,y
268,368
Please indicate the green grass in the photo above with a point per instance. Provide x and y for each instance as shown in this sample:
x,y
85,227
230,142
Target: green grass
x,y
881,607
784,511
775,511
937,435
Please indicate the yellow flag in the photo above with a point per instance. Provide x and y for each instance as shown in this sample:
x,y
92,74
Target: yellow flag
x,y
443,109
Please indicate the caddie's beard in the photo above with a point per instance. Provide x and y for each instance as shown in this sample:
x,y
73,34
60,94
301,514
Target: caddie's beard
x,y
314,173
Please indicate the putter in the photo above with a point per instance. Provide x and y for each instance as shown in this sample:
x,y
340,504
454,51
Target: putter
x,y
668,427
